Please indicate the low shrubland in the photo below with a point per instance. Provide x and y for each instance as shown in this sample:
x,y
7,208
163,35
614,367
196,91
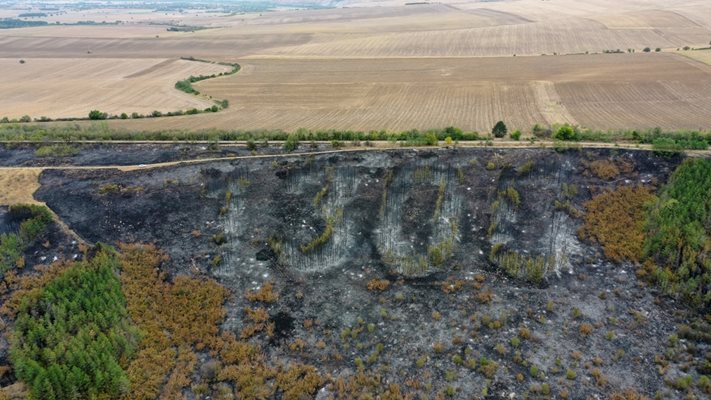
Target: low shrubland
x,y
33,222
72,335
678,242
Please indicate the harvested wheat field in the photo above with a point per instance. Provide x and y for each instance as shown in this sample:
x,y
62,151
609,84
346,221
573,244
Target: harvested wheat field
x,y
376,65
611,91
57,88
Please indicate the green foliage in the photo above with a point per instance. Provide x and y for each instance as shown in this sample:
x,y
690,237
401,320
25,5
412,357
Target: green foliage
x,y
511,195
34,222
431,139
97,115
291,143
56,150
440,198
516,135
529,268
186,86
325,236
39,133
11,249
679,233
500,130
320,195
70,338
566,132
440,252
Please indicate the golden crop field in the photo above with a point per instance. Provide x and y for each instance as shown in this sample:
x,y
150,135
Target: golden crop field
x,y
610,91
378,65
71,87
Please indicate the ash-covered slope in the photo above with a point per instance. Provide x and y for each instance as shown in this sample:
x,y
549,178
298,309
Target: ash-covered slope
x,y
479,247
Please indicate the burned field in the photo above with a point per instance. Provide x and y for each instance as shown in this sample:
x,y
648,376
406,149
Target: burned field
x,y
462,273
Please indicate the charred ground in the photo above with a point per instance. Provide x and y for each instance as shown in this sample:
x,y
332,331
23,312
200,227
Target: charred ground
x,y
398,264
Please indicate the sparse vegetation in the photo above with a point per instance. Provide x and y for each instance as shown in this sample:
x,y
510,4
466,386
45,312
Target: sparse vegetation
x,y
529,268
33,222
57,150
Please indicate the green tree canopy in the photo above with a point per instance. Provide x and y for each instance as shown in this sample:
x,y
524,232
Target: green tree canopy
x,y
500,130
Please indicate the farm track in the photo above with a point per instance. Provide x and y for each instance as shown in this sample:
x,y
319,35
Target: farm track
x,y
375,147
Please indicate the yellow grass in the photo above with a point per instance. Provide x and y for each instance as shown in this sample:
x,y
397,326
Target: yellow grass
x,y
18,185
700,55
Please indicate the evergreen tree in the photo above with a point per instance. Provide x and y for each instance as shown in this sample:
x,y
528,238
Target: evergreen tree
x,y
500,130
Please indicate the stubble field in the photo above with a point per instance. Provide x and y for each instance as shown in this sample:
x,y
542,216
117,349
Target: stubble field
x,y
614,91
71,87
386,67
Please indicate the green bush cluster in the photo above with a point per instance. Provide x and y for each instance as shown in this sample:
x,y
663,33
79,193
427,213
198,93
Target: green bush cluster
x,y
34,222
529,268
39,133
679,233
56,150
69,339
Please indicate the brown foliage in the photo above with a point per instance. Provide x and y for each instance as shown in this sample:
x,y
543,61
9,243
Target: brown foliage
x,y
585,329
174,318
299,381
628,394
27,285
265,294
604,169
485,296
615,219
259,322
380,285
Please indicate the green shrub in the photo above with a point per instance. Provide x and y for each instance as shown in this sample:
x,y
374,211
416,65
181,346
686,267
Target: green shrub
x,y
499,130
34,221
529,268
566,132
11,249
186,86
69,339
679,233
97,115
291,143
56,150
516,135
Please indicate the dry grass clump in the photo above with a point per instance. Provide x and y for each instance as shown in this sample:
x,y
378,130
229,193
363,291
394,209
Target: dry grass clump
x,y
379,285
615,219
604,169
628,394
264,294
585,329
